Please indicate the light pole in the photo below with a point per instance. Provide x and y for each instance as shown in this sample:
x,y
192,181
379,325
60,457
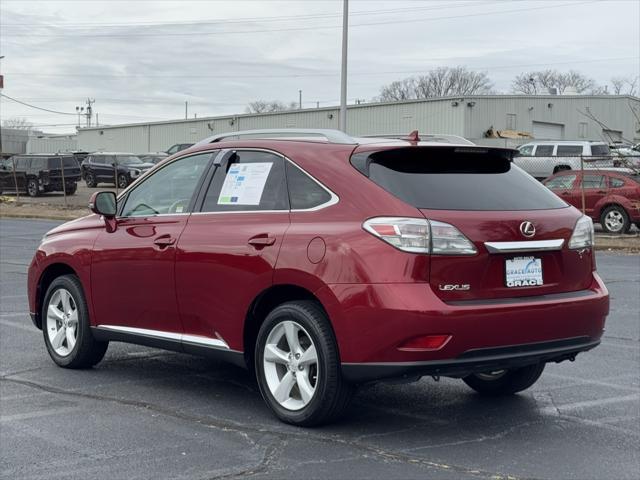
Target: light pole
x,y
342,124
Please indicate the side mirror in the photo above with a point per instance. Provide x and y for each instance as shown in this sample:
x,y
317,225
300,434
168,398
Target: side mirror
x,y
103,203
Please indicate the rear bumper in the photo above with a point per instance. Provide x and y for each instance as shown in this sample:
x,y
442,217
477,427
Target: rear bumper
x,y
472,361
373,321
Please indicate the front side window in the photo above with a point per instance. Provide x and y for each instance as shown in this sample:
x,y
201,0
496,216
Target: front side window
x,y
563,182
593,181
526,150
22,163
569,150
128,160
248,181
544,150
167,191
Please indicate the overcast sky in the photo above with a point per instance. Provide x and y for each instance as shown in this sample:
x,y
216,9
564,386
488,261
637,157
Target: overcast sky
x,y
142,59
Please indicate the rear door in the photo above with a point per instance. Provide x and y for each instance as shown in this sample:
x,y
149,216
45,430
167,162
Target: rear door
x,y
595,189
514,222
228,250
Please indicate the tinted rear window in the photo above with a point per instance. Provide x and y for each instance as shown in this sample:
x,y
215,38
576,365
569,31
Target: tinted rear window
x,y
68,162
446,180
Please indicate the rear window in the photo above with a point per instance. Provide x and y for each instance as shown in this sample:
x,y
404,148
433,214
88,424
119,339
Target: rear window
x,y
544,150
445,179
68,162
600,150
569,150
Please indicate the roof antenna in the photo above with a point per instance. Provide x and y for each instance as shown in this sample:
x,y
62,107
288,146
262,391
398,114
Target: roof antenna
x,y
413,137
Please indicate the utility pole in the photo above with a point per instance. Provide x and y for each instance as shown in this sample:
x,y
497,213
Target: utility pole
x,y
186,108
300,99
89,110
342,124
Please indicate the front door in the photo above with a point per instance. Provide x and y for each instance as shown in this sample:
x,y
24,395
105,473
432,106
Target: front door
x,y
132,272
227,252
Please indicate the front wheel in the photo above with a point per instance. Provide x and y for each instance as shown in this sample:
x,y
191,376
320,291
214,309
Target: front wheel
x,y
90,180
614,219
32,187
66,327
505,382
71,189
298,366
123,181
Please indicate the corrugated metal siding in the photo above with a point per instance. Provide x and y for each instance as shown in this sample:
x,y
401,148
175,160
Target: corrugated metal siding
x,y
469,117
56,144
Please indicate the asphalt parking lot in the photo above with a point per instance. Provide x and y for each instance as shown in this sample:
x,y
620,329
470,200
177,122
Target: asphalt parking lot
x,y
145,413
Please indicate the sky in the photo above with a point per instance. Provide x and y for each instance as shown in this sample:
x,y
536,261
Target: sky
x,y
142,59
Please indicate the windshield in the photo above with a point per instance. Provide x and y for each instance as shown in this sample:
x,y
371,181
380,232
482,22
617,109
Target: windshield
x,y
128,159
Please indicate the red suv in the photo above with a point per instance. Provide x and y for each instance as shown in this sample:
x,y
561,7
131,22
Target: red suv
x,y
323,262
611,197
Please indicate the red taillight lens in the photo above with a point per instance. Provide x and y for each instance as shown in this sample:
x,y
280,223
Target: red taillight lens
x,y
425,343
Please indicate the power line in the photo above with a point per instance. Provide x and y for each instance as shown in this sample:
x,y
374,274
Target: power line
x,y
320,27
37,108
297,75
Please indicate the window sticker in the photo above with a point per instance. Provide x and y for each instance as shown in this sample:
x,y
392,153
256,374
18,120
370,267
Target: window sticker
x,y
244,184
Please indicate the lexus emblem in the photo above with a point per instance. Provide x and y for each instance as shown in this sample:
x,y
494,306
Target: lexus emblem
x,y
527,229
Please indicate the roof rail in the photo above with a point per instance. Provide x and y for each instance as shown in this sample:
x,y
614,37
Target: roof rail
x,y
426,137
332,136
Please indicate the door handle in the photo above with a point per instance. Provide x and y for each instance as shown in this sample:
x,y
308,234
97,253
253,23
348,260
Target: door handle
x,y
263,240
566,193
164,241
601,192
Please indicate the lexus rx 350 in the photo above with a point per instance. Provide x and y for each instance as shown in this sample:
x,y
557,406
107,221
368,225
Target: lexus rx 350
x,y
324,262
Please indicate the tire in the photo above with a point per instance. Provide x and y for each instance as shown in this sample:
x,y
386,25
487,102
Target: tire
x,y
330,393
561,168
71,189
90,180
506,382
123,180
32,187
85,351
614,219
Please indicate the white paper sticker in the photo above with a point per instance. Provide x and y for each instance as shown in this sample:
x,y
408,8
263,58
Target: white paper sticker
x,y
244,184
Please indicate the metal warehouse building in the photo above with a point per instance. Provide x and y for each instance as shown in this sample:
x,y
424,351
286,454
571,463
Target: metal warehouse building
x,y
549,117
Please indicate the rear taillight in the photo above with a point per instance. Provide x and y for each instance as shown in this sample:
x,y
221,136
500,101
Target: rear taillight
x,y
583,234
418,235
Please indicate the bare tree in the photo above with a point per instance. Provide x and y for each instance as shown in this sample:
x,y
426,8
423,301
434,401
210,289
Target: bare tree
x,y
269,106
18,123
625,85
440,82
540,82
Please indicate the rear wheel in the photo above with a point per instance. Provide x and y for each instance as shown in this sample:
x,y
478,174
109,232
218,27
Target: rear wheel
x,y
66,327
71,189
561,168
298,366
614,219
505,382
90,180
32,187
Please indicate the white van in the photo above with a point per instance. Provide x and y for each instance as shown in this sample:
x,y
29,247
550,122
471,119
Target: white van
x,y
544,158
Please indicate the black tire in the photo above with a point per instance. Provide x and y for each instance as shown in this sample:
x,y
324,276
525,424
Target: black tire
x,y
71,189
508,383
561,168
638,225
87,351
622,223
32,187
90,180
332,392
123,180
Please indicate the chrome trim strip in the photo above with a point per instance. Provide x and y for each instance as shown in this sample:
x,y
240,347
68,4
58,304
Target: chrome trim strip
x,y
179,337
526,246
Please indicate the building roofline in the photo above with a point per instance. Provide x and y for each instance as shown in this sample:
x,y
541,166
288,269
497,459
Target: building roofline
x,y
364,105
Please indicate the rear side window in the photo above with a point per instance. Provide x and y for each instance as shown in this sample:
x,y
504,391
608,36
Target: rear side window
x,y
562,182
446,179
569,150
248,181
68,162
544,150
593,181
38,164
304,192
600,150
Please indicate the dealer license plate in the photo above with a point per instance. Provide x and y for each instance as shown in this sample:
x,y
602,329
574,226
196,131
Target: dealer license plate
x,y
523,272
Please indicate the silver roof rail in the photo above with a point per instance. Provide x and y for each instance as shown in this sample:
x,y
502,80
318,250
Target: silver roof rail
x,y
332,136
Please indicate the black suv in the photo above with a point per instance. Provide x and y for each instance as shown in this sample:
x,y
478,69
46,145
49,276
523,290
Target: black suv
x,y
111,167
37,173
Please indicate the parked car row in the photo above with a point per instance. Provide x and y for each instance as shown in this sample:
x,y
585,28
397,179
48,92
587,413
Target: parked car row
x,y
36,174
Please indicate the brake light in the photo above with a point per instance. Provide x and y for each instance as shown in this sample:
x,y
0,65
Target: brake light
x,y
419,235
425,343
583,234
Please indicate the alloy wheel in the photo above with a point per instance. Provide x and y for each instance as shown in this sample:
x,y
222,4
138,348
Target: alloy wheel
x,y
32,188
62,322
614,221
291,365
